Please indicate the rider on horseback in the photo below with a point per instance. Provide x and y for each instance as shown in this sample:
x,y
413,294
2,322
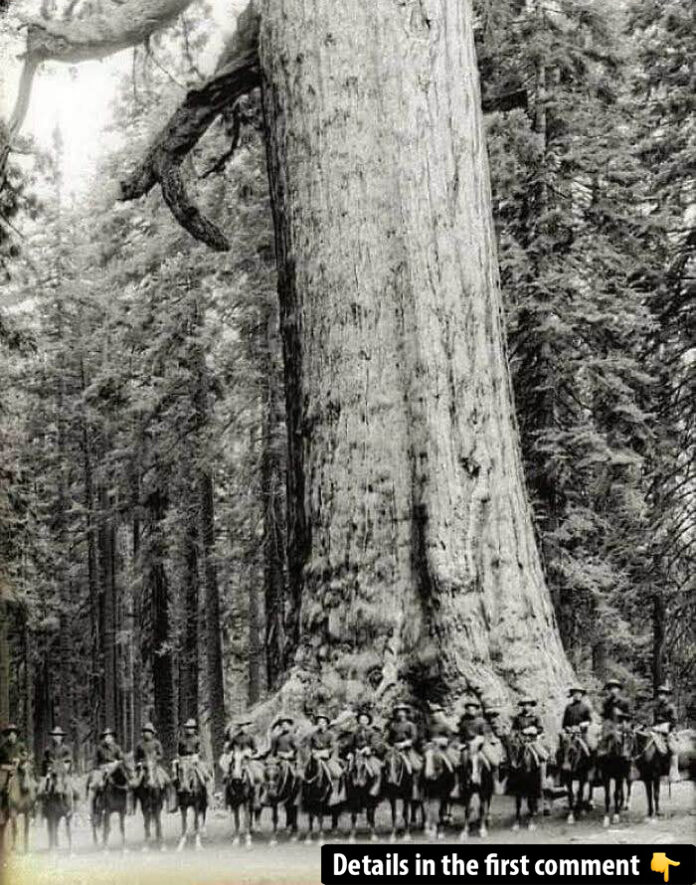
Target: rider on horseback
x,y
402,734
12,751
323,746
616,713
237,738
577,719
364,741
56,751
441,733
664,724
149,750
527,727
108,755
283,741
189,747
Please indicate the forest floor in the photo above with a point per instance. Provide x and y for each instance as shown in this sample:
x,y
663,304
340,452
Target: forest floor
x,y
219,862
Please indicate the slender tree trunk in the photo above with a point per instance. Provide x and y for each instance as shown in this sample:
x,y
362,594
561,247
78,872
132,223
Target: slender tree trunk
x,y
277,660
659,617
410,538
214,672
188,666
162,658
108,613
137,631
4,661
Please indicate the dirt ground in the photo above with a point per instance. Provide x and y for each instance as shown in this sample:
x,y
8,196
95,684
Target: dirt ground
x,y
219,862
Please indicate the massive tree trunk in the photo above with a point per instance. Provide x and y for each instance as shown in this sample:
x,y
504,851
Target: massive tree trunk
x,y
410,536
4,660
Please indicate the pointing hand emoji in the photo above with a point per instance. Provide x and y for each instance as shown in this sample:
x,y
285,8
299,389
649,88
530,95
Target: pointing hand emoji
x,y
660,863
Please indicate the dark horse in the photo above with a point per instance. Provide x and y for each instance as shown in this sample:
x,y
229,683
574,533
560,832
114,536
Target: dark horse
x,y
281,787
21,799
652,761
438,781
363,784
241,786
58,802
577,765
107,790
476,778
525,780
400,784
150,791
191,792
614,762
317,790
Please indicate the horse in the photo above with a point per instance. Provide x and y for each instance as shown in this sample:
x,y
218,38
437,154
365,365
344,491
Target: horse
x,y
652,761
281,786
363,787
476,778
317,792
150,792
241,787
58,802
438,782
21,799
400,783
525,780
191,792
614,762
109,788
577,762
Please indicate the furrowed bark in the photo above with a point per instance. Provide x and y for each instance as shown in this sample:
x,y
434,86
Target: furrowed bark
x,y
410,536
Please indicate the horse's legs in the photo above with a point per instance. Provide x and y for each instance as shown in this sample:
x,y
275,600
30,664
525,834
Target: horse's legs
x,y
532,807
158,825
657,795
353,823
184,827
274,820
618,799
370,814
26,830
518,811
68,832
122,827
146,823
649,795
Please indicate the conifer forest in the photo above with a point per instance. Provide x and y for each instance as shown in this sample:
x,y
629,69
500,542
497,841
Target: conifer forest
x,y
358,365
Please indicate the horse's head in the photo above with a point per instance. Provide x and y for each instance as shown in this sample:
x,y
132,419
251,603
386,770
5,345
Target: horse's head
x,y
433,764
273,774
58,779
394,767
236,772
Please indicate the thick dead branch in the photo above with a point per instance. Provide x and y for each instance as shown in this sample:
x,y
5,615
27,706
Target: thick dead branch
x,y
97,36
237,74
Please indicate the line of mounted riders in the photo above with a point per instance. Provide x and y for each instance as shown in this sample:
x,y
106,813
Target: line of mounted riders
x,y
347,765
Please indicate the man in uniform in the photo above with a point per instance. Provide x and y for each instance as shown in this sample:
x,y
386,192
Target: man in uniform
x,y
365,741
577,718
239,738
56,751
189,747
323,746
441,732
283,740
149,749
472,729
494,748
527,725
12,751
107,753
402,734
664,725
616,711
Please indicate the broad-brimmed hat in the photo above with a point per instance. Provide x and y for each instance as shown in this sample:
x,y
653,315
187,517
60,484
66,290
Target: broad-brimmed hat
x,y
359,713
57,731
149,727
190,723
527,701
575,689
6,729
663,689
491,712
107,731
610,682
436,708
283,717
472,702
242,721
322,714
401,706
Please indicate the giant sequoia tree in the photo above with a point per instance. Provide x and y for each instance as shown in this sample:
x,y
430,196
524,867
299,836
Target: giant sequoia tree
x,y
411,545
